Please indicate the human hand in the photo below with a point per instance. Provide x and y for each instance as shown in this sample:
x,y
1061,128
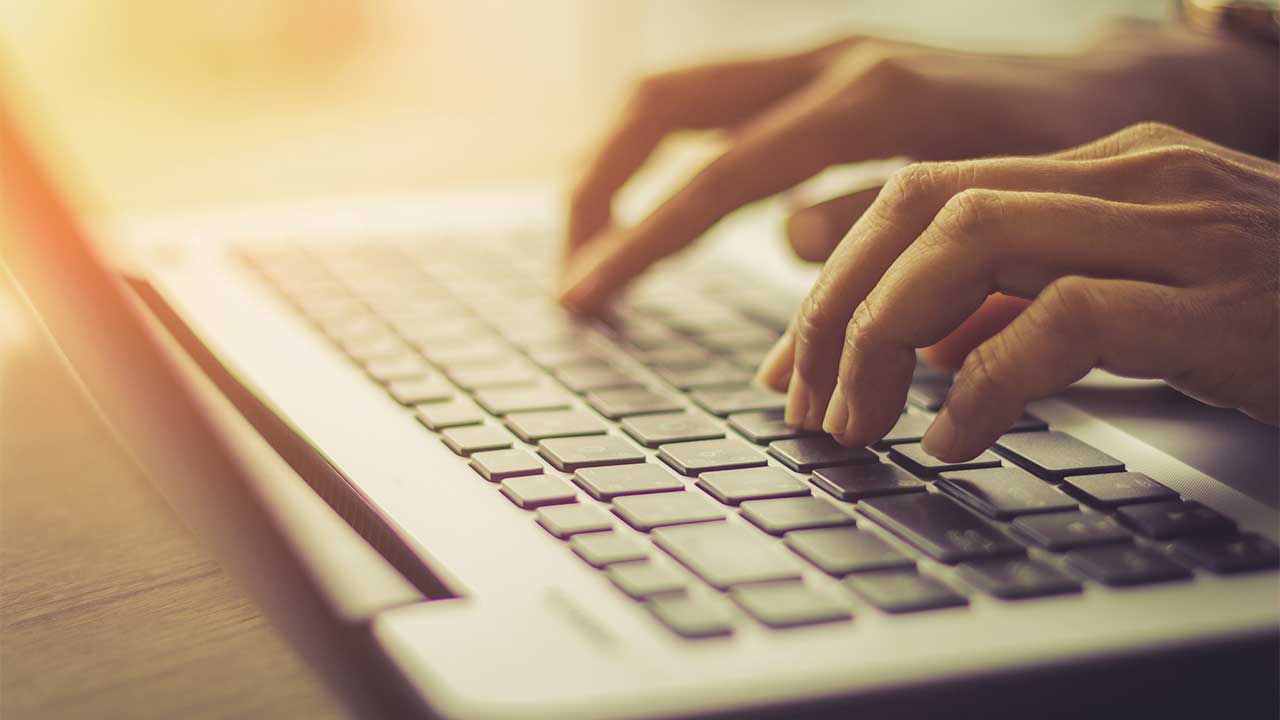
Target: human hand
x,y
1149,253
790,117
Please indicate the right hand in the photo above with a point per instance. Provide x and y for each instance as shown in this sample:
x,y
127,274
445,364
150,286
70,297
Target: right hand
x,y
790,117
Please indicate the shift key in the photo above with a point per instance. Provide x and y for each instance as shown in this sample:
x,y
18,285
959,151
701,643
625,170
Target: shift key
x,y
939,526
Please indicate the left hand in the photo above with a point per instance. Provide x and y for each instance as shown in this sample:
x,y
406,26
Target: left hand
x,y
1150,253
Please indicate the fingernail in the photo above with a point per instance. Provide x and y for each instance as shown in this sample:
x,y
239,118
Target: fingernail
x,y
776,364
797,402
940,439
837,416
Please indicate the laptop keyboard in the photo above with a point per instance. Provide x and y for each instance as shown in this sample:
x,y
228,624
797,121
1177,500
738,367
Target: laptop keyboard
x,y
649,421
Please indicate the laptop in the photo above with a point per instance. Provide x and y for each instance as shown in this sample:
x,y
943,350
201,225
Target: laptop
x,y
606,519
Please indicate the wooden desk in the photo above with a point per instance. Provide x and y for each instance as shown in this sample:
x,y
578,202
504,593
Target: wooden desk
x,y
107,607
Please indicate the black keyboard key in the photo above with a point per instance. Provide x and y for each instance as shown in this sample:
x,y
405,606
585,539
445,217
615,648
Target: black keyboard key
x,y
533,491
692,458
910,428
1067,531
855,482
783,515
810,453
564,521
763,428
586,378
760,483
646,512
421,390
533,427
492,375
569,454
407,366
1005,492
725,555
655,430
843,550
1017,578
782,605
623,402
1055,455
475,438
1124,565
707,375
903,591
507,400
453,413
940,527
691,617
495,465
913,457
642,580
727,401
608,482
1229,555
601,549
1168,520
1115,489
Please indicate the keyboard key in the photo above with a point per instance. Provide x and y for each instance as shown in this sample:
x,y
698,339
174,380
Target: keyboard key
x,y
1066,531
532,427
691,617
1027,422
692,458
1123,565
1004,492
495,465
903,591
733,486
601,549
913,457
1229,555
674,357
533,491
507,400
800,513
855,482
655,430
1167,520
606,483
747,337
939,526
564,521
725,555
407,366
421,390
585,378
490,375
646,579
782,605
810,453
1115,489
1055,455
929,390
646,512
727,401
844,550
707,375
910,428
1017,578
453,413
555,355
569,454
623,402
763,428
463,351
475,438
384,345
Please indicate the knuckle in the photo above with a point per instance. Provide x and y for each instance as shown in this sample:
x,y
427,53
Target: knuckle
x,y
967,213
861,327
980,365
1151,130
809,320
1070,306
910,185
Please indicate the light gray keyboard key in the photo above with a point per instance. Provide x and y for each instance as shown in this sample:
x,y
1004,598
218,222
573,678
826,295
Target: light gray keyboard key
x,y
642,580
532,491
570,453
506,400
806,454
783,515
788,604
903,591
655,430
421,390
646,512
475,438
495,465
564,521
606,483
623,402
454,413
761,483
601,549
692,458
586,378
727,401
725,555
844,550
763,428
532,427
691,617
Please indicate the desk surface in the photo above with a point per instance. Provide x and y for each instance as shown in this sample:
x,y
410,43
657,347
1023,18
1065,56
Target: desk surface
x,y
108,608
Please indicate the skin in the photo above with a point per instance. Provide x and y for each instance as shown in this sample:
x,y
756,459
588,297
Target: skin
x,y
1087,252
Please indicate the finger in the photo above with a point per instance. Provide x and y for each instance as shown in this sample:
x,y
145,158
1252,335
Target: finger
x,y
707,97
996,312
1154,136
781,149
1131,328
984,241
815,231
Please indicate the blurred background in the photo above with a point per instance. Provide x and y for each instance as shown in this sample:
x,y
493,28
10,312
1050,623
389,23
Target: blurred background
x,y
166,106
